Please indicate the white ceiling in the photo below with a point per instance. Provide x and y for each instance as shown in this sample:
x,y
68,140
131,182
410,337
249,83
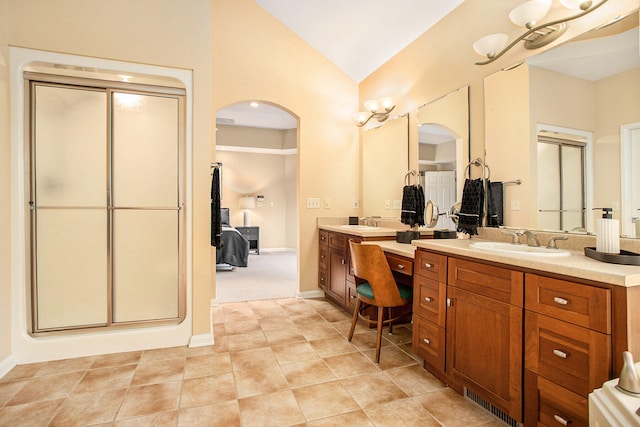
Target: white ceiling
x,y
359,35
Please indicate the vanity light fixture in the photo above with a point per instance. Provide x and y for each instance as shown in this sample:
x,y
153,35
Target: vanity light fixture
x,y
528,14
376,108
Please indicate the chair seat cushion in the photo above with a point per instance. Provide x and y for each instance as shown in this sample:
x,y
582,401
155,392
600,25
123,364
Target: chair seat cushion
x,y
365,290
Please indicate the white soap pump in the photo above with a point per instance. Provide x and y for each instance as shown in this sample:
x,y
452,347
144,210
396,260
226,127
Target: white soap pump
x,y
629,381
607,233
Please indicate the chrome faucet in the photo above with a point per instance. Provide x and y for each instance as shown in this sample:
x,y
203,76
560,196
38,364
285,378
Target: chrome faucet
x,y
532,239
515,238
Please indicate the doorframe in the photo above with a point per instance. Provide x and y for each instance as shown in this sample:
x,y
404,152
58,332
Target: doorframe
x,y
626,166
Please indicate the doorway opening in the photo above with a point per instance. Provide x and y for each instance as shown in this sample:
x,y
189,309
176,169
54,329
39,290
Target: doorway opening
x,y
256,152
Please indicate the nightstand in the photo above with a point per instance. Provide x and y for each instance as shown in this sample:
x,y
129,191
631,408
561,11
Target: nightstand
x,y
252,234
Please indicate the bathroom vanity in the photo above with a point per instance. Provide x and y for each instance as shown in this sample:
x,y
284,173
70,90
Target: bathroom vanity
x,y
529,337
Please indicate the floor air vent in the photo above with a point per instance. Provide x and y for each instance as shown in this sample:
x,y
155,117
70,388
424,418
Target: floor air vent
x,y
500,414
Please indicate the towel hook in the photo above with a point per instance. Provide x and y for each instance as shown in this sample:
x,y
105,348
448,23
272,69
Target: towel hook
x,y
409,174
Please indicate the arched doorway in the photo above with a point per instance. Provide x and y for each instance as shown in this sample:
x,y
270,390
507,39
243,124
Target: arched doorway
x,y
256,146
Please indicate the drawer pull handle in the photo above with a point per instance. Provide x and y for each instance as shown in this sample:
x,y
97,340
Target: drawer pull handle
x,y
400,266
427,265
428,299
427,341
560,301
353,297
560,353
561,420
343,262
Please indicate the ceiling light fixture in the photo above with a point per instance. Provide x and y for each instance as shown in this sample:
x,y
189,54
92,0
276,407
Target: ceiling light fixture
x,y
376,108
528,14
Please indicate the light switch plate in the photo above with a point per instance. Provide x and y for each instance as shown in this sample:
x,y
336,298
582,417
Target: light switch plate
x,y
313,203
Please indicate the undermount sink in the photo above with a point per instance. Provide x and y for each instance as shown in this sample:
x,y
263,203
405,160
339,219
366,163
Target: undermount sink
x,y
359,227
524,250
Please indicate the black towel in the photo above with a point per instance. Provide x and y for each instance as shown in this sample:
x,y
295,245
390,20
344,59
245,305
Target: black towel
x,y
412,205
471,209
495,208
216,225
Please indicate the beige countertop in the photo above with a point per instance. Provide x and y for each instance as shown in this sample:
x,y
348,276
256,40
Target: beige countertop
x,y
575,265
391,246
363,231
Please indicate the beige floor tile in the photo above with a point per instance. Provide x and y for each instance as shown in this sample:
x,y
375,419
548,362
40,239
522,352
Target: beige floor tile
x,y
66,365
149,399
414,380
401,334
153,372
206,390
373,389
271,323
242,327
164,353
275,409
324,400
169,418
351,419
332,346
116,359
334,315
295,352
253,359
350,364
238,316
89,408
260,381
221,414
368,340
118,377
200,351
207,364
47,388
284,336
451,409
404,412
343,328
308,318
409,350
30,414
300,374
390,357
246,341
218,331
23,371
234,307
320,330
8,389
217,316
221,344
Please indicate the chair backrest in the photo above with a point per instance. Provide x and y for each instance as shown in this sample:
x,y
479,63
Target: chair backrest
x,y
370,264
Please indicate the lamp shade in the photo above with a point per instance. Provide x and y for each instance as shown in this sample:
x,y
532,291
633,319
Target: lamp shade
x,y
530,12
491,44
576,4
247,202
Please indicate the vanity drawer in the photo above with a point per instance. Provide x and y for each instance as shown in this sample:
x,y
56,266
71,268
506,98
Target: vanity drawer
x,y
501,284
323,278
400,264
338,241
428,342
431,265
576,358
556,406
324,238
324,257
429,299
582,305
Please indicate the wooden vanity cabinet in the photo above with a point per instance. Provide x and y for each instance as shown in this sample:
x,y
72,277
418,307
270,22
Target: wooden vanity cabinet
x,y
484,333
568,351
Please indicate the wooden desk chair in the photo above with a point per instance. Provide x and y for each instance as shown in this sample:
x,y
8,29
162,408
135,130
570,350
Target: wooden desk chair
x,y
379,288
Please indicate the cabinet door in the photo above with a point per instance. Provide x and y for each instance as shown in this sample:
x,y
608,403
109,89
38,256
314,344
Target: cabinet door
x,y
484,348
337,275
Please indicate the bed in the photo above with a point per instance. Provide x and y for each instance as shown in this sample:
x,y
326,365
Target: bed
x,y
235,247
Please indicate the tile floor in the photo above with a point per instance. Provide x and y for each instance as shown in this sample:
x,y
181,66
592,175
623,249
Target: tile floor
x,y
275,363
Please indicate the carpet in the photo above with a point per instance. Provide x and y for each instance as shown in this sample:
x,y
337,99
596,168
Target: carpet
x,y
269,275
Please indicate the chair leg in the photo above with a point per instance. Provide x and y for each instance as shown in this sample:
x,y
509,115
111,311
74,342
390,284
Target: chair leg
x,y
379,343
355,319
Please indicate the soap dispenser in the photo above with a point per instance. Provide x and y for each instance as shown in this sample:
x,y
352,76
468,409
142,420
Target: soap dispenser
x,y
607,233
629,381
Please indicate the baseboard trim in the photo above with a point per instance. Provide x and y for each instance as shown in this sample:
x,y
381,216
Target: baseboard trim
x,y
277,249
201,340
310,294
7,365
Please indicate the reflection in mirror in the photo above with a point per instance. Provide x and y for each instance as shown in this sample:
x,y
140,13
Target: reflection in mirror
x,y
385,161
443,137
589,88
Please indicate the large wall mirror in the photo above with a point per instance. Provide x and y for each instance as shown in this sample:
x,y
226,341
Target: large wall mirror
x,y
385,161
567,124
443,150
